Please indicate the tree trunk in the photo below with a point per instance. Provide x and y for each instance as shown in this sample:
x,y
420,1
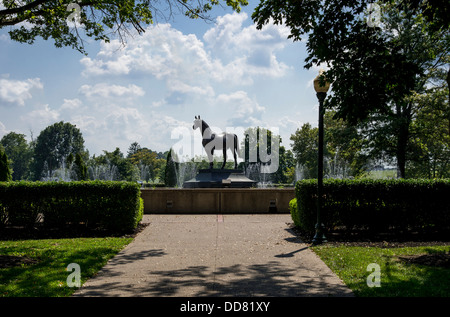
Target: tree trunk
x,y
448,86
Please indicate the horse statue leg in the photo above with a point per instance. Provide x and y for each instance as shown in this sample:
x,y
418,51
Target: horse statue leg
x,y
209,149
211,158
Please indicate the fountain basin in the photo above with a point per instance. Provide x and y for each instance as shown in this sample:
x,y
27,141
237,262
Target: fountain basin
x,y
219,178
217,200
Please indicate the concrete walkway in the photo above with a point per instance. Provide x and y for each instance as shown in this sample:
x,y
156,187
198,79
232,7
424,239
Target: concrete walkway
x,y
215,255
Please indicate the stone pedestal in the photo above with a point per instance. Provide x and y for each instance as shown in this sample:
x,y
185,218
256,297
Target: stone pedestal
x,y
220,178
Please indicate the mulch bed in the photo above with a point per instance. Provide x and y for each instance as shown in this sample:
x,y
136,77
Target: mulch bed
x,y
433,259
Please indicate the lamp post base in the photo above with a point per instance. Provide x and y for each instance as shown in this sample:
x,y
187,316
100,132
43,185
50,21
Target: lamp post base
x,y
319,237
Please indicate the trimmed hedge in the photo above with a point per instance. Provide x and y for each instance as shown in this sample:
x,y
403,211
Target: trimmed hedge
x,y
377,205
115,206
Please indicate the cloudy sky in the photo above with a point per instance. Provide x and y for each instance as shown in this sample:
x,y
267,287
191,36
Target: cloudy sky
x,y
149,91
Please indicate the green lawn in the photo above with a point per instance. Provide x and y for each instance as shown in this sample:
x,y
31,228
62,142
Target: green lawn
x,y
47,277
398,277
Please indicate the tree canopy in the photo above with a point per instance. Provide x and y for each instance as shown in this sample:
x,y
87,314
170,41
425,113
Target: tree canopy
x,y
53,145
68,22
374,68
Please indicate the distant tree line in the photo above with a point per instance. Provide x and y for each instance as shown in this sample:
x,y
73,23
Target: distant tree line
x,y
58,153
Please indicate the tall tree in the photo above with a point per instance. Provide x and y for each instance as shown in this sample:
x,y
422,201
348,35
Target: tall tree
x,y
147,161
133,149
343,152
115,159
170,173
80,168
54,144
19,153
373,68
5,170
305,148
69,21
430,137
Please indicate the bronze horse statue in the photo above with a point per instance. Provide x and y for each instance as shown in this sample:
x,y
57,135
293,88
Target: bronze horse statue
x,y
217,141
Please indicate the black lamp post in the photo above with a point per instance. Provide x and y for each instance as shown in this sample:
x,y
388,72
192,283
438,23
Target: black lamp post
x,y
321,87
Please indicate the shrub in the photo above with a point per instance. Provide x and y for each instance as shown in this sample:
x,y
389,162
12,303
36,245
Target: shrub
x,y
108,205
378,205
294,211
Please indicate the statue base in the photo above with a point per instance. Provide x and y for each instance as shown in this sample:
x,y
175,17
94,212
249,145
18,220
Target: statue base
x,y
220,178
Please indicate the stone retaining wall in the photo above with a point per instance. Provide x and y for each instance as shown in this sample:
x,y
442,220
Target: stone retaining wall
x,y
217,200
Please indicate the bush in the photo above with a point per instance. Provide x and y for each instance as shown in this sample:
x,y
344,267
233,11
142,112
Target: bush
x,y
294,211
377,205
115,206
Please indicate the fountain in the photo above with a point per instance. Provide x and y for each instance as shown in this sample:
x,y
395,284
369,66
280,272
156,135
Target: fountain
x,y
108,172
219,190
256,172
219,178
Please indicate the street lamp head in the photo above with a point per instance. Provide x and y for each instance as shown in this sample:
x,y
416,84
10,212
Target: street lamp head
x,y
317,83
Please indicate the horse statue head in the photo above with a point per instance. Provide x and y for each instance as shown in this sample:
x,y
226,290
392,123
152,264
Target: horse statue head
x,y
197,123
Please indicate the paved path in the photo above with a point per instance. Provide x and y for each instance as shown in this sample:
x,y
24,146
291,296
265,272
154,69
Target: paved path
x,y
215,255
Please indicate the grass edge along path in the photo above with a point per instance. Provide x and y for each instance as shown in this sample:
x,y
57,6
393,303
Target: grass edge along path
x,y
388,272
42,269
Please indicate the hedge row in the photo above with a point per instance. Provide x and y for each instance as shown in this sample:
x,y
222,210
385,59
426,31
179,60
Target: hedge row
x,y
377,205
115,206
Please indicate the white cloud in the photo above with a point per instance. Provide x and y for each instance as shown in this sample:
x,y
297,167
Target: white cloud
x,y
41,117
71,104
241,109
18,91
88,124
233,55
256,48
104,90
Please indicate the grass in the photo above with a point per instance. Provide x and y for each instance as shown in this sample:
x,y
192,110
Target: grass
x,y
384,174
397,278
48,276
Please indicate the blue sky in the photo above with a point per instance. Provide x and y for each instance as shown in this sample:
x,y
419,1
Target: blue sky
x,y
149,91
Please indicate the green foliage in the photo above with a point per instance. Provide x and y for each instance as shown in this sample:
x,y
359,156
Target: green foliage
x,y
374,69
305,148
53,145
5,171
96,19
294,211
114,206
343,148
19,152
149,163
80,168
376,205
170,174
